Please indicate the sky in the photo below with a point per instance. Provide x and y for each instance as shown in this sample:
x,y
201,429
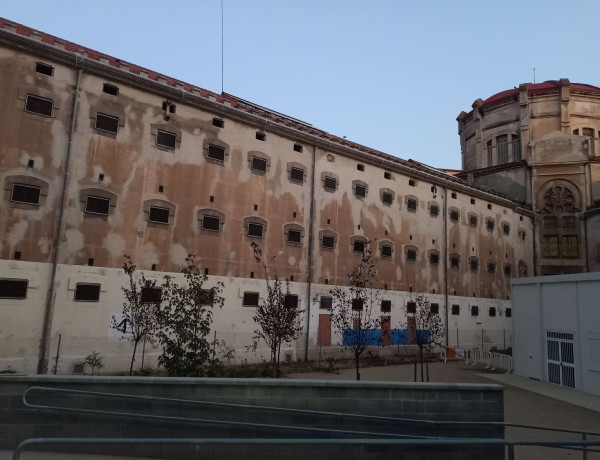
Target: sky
x,y
389,74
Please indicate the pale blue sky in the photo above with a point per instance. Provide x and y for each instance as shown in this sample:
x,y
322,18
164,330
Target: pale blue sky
x,y
391,75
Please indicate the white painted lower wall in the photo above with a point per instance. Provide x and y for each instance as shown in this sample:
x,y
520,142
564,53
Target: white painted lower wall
x,y
84,327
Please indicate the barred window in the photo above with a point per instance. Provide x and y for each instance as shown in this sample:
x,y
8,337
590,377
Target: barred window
x,y
39,105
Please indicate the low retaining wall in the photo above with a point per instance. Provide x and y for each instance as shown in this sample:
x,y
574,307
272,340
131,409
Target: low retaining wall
x,y
425,401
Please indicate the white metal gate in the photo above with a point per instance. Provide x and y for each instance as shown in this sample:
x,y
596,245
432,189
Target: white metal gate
x,y
561,358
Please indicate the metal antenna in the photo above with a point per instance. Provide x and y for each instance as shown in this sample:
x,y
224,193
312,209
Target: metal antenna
x,y
222,47
534,74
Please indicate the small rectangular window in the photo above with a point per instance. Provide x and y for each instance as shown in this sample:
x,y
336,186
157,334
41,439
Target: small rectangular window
x,y
508,312
492,311
166,139
453,195
360,191
473,220
359,246
454,262
507,269
297,174
357,304
434,210
298,148
294,236
259,164
454,215
211,223
218,122
411,255
490,224
255,230
330,183
474,310
387,175
434,258
85,292
474,264
151,295
411,307
491,267
387,198
110,89
412,183
158,215
39,105
455,309
206,297
291,301
506,229
328,242
107,123
386,250
216,152
261,136
411,204
360,167
25,194
435,308
386,306
46,69
97,205
250,299
13,289
326,303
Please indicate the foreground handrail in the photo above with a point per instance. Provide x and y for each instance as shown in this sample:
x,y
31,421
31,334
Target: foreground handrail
x,y
358,442
267,408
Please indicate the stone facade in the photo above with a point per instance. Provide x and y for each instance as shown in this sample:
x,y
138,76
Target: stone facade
x,y
538,145
102,158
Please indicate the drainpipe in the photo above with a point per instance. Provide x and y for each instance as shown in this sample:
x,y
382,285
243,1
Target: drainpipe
x,y
535,216
445,264
311,221
49,311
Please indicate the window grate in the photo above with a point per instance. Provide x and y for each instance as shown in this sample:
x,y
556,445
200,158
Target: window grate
x,y
411,204
434,210
216,153
434,258
386,250
294,236
166,139
39,105
87,292
259,164
387,198
326,303
211,223
25,194
330,183
13,289
158,215
255,230
454,216
411,255
97,205
107,123
455,309
359,246
297,174
360,191
328,242
250,299
560,335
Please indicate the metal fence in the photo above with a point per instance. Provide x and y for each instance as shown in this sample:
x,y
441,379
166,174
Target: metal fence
x,y
491,360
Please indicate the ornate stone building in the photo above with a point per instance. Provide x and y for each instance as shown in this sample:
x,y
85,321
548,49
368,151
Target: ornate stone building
x,y
538,144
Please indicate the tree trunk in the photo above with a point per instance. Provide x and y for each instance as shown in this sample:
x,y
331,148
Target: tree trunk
x,y
421,351
415,369
278,358
135,344
357,359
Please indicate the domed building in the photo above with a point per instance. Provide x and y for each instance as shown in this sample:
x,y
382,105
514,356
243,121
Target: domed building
x,y
538,144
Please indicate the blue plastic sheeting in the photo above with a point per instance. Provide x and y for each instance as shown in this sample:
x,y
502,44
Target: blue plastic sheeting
x,y
373,337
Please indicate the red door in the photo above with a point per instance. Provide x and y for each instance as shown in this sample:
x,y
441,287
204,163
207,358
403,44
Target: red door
x,y
324,334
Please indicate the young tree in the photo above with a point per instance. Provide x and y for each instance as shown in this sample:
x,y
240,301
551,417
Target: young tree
x,y
138,317
186,317
428,326
95,360
353,313
278,316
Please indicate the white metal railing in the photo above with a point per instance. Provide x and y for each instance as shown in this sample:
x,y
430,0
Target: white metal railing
x,y
490,359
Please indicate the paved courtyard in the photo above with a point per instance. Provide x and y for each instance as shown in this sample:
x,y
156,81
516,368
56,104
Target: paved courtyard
x,y
526,402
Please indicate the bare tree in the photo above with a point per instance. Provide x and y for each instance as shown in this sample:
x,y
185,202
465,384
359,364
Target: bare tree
x,y
138,317
277,316
428,327
186,316
353,312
